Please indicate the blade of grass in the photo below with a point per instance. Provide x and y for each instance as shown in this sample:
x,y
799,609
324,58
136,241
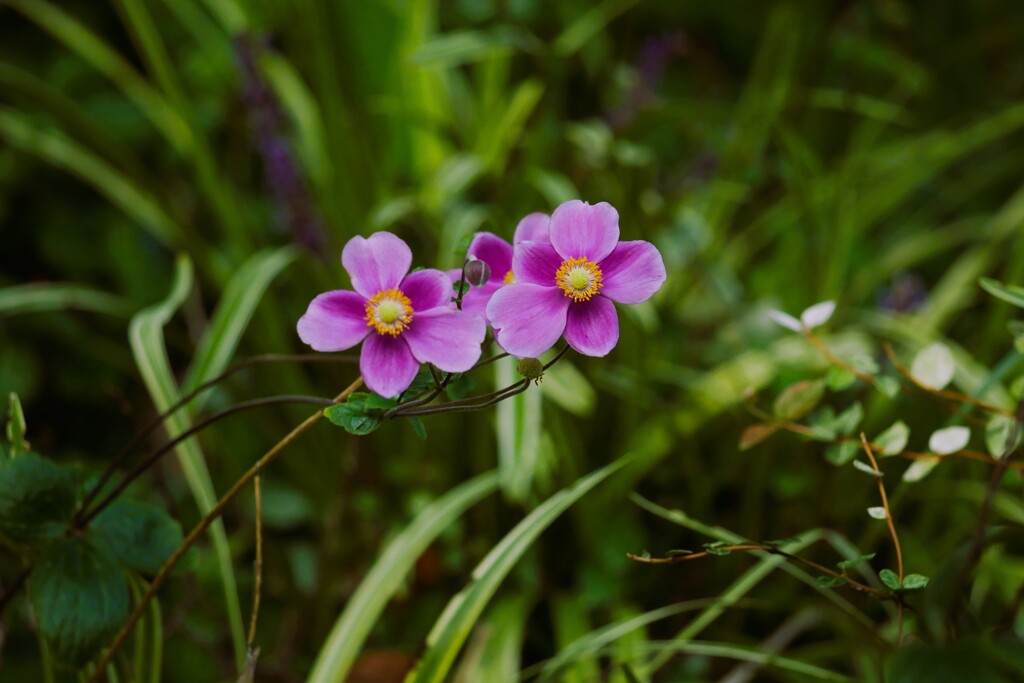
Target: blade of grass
x,y
518,426
340,650
495,652
145,334
453,627
235,309
60,296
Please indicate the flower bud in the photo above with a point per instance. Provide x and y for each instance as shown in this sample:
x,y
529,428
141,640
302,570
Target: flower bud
x,y
530,368
477,272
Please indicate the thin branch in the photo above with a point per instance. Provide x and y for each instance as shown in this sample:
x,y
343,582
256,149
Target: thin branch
x,y
83,517
892,530
258,564
196,532
941,393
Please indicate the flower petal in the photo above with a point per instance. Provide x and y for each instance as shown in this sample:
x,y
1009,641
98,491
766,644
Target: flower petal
x,y
535,262
387,364
579,229
377,262
334,321
592,327
492,250
528,319
633,272
449,339
474,302
426,289
533,228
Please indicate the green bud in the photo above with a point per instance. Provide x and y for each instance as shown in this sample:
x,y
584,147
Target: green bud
x,y
530,368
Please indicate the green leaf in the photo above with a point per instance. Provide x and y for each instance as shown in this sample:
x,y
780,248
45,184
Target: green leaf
x,y
141,536
842,453
59,296
1009,293
37,498
997,435
798,400
358,415
848,420
386,577
755,434
949,440
830,581
890,579
849,564
717,548
838,379
457,620
888,386
16,425
81,599
893,440
418,427
913,582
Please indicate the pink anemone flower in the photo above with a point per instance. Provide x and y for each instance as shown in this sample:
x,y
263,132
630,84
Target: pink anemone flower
x,y
497,254
404,317
568,286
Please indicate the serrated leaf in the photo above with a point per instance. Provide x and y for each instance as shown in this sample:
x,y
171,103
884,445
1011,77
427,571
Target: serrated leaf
x,y
1008,293
890,578
755,434
80,597
37,497
877,512
842,453
798,400
830,581
15,425
997,436
888,386
849,564
818,314
893,440
919,469
934,366
913,582
785,320
949,440
139,535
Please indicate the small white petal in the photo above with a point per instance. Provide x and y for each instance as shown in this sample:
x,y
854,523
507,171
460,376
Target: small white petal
x,y
934,366
877,513
949,440
786,320
818,314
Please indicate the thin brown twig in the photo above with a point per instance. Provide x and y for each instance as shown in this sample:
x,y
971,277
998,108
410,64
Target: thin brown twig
x,y
258,564
198,530
892,528
773,550
942,393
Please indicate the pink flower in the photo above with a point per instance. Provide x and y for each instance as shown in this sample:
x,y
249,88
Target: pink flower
x,y
404,317
568,286
497,254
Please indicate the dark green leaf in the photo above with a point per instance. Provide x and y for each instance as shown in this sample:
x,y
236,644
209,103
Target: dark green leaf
x,y
81,599
830,581
783,541
37,498
16,425
717,548
755,434
1009,293
889,386
913,582
958,662
676,552
848,564
798,400
360,414
139,535
848,420
418,427
838,379
890,579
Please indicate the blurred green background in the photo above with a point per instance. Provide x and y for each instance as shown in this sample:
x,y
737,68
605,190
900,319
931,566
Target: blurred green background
x,y
778,153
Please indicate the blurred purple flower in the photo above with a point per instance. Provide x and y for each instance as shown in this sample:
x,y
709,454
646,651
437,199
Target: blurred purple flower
x,y
568,286
655,56
404,317
281,173
497,254
906,293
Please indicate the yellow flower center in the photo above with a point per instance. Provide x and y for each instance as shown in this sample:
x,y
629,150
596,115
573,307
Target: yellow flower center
x,y
579,278
509,278
389,312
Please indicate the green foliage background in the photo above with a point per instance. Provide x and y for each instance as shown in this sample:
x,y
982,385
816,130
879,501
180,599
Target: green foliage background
x,y
783,153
